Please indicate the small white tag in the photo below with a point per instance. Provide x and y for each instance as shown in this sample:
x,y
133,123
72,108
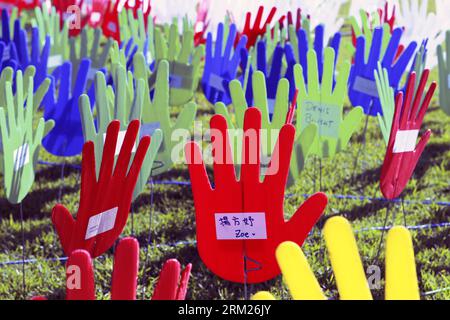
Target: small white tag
x,y
6,53
91,73
216,82
271,105
120,139
147,129
241,226
21,156
405,141
366,86
101,223
148,56
54,61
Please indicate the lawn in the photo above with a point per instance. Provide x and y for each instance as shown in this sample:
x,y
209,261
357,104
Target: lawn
x,y
163,219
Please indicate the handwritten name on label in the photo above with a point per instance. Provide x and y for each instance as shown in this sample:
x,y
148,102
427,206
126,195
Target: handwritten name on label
x,y
21,156
147,129
120,139
54,61
101,223
326,117
366,86
405,141
241,226
216,82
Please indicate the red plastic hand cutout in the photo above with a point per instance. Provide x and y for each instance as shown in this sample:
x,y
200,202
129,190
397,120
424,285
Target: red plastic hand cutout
x,y
226,258
258,29
201,23
110,24
384,15
172,286
402,153
104,203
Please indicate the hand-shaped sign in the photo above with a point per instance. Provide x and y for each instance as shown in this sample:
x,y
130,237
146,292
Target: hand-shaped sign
x,y
66,139
362,88
104,202
156,112
444,74
297,52
400,276
20,141
124,104
80,283
184,63
402,154
110,24
221,64
322,105
241,222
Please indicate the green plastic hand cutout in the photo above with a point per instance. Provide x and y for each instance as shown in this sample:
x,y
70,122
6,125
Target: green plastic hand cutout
x,y
20,141
135,29
88,40
444,74
184,62
319,103
49,24
387,100
156,113
125,105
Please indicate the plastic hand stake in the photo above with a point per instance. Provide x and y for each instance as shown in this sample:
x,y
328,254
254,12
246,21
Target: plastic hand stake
x,y
156,112
387,100
104,202
362,87
47,21
298,52
66,140
184,61
322,105
20,140
37,57
402,154
234,259
401,275
123,104
221,64
258,29
172,282
444,74
132,27
98,59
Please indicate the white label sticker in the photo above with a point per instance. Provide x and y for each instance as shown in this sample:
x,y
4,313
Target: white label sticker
x,y
120,139
199,26
54,61
6,53
148,56
91,73
241,226
366,86
216,82
405,141
147,129
21,156
101,223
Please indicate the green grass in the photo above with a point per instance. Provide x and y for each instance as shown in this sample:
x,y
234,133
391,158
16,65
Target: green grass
x,y
173,220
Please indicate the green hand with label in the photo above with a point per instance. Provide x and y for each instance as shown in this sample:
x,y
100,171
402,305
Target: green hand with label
x,y
184,62
123,104
156,113
20,139
322,104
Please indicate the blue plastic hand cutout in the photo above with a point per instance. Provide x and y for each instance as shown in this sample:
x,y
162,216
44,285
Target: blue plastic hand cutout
x,y
66,139
221,65
300,55
362,88
8,50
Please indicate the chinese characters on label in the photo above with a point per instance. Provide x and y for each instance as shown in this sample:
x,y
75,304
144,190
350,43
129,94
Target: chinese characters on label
x,y
241,226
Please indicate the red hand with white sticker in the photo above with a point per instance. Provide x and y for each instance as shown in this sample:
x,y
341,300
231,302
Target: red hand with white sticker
x,y
402,153
104,202
225,258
